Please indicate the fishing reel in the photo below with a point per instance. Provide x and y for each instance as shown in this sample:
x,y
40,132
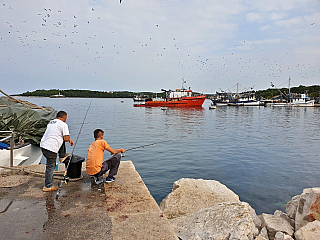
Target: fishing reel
x,y
66,180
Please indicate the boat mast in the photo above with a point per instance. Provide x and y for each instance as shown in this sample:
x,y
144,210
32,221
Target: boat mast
x,y
289,93
183,82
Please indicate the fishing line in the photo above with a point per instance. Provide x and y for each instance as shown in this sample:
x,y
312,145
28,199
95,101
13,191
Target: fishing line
x,y
148,145
123,155
65,178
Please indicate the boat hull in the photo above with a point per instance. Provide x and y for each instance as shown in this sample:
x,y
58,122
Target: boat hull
x,y
177,102
26,155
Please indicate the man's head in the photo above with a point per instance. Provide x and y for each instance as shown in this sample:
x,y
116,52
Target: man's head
x,y
98,134
62,115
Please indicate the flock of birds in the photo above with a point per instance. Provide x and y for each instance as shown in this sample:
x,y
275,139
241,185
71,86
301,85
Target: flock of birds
x,y
74,36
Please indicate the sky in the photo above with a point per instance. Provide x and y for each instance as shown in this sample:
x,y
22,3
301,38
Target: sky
x,y
140,45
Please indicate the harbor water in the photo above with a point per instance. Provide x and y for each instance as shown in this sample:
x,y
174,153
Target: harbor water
x,y
266,155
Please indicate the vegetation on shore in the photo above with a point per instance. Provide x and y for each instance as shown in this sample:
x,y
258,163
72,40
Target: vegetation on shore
x,y
87,93
313,92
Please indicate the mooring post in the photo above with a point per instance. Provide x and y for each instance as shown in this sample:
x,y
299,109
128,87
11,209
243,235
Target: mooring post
x,y
11,148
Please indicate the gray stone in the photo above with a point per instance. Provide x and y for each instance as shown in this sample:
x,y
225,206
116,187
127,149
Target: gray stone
x,y
260,238
292,206
309,207
283,215
276,224
311,231
282,236
191,195
227,220
264,233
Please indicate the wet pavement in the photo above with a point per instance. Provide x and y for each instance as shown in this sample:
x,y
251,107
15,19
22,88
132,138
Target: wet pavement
x,y
83,210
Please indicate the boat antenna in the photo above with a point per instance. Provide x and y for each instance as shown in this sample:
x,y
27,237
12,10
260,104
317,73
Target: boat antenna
x,y
65,177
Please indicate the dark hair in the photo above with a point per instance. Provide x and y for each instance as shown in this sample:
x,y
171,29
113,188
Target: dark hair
x,y
97,133
61,114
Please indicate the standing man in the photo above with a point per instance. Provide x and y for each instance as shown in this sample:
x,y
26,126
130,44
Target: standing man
x,y
95,165
52,143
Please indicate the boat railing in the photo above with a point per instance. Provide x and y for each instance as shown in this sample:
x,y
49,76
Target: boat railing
x,y
11,137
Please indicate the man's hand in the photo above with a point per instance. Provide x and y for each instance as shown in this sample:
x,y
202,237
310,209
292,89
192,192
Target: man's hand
x,y
122,150
67,138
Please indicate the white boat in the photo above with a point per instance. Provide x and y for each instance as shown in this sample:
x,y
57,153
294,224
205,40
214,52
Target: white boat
x,y
23,153
58,96
293,99
244,98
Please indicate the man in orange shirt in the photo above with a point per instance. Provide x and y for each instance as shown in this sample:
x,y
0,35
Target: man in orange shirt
x,y
95,165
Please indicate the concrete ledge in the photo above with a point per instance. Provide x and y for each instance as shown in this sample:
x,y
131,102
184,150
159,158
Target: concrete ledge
x,y
133,211
123,209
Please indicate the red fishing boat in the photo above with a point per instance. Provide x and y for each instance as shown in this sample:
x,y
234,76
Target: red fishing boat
x,y
179,98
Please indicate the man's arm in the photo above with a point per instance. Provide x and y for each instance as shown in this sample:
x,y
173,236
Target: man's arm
x,y
114,151
68,139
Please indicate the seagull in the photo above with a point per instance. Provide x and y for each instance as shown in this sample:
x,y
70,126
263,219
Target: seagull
x,y
312,24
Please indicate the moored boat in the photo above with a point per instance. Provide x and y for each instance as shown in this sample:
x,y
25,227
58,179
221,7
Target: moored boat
x,y
179,98
23,154
243,98
58,96
26,122
292,99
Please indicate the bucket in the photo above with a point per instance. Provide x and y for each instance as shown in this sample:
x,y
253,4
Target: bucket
x,y
74,169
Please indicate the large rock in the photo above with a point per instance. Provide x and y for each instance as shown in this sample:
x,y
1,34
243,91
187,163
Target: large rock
x,y
190,195
309,207
227,220
291,207
275,224
311,231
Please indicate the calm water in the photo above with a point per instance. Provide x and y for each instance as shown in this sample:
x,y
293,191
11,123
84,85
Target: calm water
x,y
265,155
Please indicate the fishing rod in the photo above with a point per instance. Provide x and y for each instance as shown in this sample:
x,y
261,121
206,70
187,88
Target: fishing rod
x,y
65,178
123,155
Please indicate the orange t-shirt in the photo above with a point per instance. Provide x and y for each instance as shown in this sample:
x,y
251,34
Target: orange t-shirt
x,y
95,156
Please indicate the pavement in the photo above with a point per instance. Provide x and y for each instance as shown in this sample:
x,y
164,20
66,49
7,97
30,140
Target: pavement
x,y
123,209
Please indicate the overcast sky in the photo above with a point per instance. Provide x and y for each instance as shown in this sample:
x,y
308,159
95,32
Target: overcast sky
x,y
148,45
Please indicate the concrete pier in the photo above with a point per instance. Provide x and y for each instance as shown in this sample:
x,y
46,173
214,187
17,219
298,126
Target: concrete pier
x,y
123,209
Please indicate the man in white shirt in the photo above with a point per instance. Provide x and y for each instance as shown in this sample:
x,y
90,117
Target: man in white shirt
x,y
52,143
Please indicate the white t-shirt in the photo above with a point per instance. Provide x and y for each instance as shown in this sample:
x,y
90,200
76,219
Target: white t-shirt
x,y
53,136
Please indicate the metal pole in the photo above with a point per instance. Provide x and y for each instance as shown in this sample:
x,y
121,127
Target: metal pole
x,y
11,149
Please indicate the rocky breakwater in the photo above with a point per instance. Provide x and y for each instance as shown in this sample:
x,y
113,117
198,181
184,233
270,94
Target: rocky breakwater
x,y
207,209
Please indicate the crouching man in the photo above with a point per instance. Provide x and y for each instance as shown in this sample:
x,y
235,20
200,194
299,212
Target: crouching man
x,y
95,165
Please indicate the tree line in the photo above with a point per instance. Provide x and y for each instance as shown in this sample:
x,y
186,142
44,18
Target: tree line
x,y
312,91
87,93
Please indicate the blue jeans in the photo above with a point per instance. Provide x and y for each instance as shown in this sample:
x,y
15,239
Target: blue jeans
x,y
51,163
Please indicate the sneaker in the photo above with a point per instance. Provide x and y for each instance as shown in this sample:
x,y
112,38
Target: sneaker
x,y
96,180
64,158
110,179
53,188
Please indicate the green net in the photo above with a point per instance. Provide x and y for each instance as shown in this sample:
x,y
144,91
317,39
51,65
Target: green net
x,y
25,122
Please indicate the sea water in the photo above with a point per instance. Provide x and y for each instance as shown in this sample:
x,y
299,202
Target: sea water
x,y
266,155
